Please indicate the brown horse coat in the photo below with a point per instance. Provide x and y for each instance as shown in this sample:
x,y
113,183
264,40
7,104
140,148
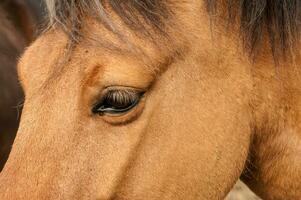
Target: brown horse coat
x,y
147,100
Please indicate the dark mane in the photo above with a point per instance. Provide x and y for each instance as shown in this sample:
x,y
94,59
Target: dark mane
x,y
135,14
279,18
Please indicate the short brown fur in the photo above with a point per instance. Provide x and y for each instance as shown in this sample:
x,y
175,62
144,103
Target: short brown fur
x,y
207,118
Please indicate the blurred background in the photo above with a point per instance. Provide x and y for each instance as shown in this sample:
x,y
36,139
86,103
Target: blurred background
x,y
19,20
19,25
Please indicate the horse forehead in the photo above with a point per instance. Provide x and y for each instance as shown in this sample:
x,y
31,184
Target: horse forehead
x,y
53,53
43,54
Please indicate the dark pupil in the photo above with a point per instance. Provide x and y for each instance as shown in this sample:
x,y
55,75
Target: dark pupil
x,y
118,101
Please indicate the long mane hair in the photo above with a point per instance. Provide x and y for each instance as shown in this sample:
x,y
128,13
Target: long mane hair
x,y
281,19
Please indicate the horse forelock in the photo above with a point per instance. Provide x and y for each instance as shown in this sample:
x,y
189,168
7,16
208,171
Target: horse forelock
x,y
135,14
281,19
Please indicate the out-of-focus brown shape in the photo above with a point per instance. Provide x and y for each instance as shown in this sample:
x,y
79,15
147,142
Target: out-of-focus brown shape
x,y
241,192
18,22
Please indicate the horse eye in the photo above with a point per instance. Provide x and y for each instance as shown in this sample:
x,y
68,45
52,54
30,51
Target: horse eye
x,y
118,102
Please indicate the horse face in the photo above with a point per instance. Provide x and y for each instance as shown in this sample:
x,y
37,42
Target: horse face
x,y
169,123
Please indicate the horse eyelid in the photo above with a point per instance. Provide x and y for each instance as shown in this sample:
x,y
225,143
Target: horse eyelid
x,y
101,110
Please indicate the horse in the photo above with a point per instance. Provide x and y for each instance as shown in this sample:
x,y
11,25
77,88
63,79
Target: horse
x,y
160,99
18,20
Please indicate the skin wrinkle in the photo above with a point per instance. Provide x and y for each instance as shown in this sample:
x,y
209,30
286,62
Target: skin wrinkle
x,y
135,153
205,113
